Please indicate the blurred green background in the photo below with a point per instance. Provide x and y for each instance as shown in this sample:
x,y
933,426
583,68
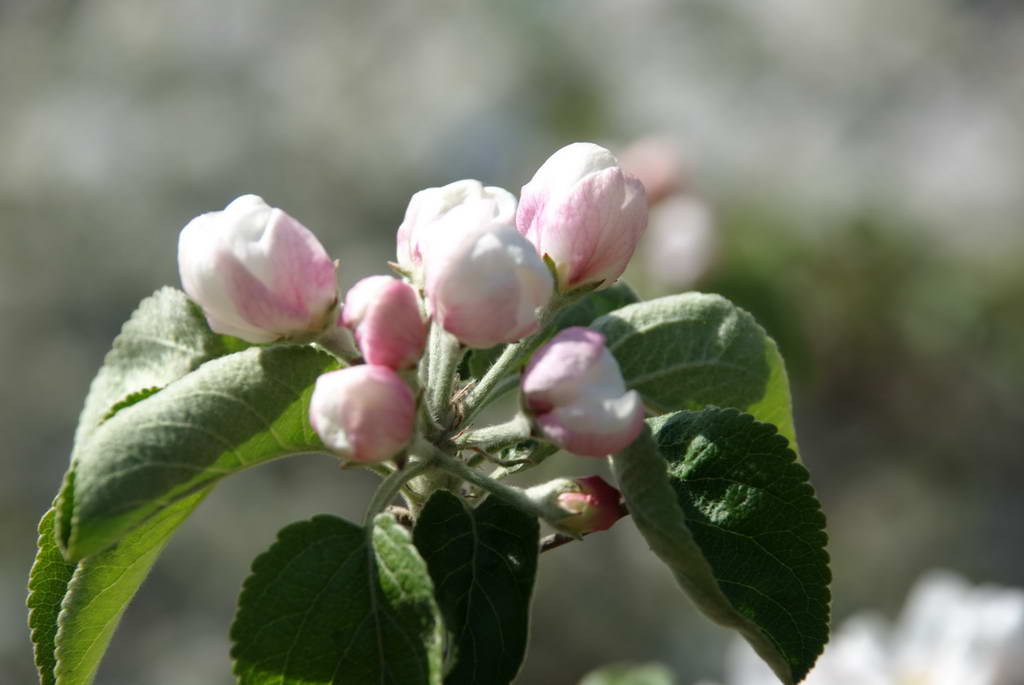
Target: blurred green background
x,y
863,161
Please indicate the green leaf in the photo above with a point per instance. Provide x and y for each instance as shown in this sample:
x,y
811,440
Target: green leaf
x,y
75,608
165,338
579,313
232,413
330,602
693,350
483,562
133,398
47,585
629,674
727,507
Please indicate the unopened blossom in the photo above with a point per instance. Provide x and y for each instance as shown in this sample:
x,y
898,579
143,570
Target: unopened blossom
x,y
595,506
427,208
365,413
581,211
384,314
257,273
484,282
574,390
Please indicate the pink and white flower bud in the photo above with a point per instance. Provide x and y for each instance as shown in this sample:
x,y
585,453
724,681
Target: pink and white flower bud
x,y
584,213
594,507
365,413
574,389
485,283
422,223
384,314
257,273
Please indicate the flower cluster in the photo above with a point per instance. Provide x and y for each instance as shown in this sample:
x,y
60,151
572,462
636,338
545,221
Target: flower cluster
x,y
473,261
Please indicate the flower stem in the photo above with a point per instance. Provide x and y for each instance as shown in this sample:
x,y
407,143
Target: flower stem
x,y
496,437
338,341
511,358
390,487
517,497
445,354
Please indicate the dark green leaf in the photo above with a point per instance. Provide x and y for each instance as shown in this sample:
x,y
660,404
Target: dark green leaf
x,y
727,507
329,603
483,562
693,350
579,313
232,413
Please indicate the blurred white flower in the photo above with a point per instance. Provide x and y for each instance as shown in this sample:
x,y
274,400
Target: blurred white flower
x,y
950,633
681,242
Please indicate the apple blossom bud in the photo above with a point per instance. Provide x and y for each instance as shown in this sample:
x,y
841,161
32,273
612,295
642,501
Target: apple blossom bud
x,y
583,505
485,283
584,213
257,273
428,207
595,507
574,390
384,314
365,413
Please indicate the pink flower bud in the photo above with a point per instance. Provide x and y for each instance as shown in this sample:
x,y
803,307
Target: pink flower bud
x,y
365,413
485,283
257,273
584,213
384,315
574,389
595,507
428,207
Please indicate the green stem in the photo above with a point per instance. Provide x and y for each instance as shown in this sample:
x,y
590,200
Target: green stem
x,y
496,437
391,486
517,497
339,342
445,354
511,358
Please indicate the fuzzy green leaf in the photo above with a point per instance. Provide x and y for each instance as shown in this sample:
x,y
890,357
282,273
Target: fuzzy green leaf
x,y
693,350
483,562
330,602
230,414
722,500
47,585
165,338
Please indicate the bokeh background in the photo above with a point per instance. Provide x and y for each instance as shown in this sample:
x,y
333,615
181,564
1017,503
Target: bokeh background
x,y
861,164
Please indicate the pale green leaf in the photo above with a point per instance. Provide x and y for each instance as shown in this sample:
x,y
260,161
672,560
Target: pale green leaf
x,y
165,338
694,350
232,413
